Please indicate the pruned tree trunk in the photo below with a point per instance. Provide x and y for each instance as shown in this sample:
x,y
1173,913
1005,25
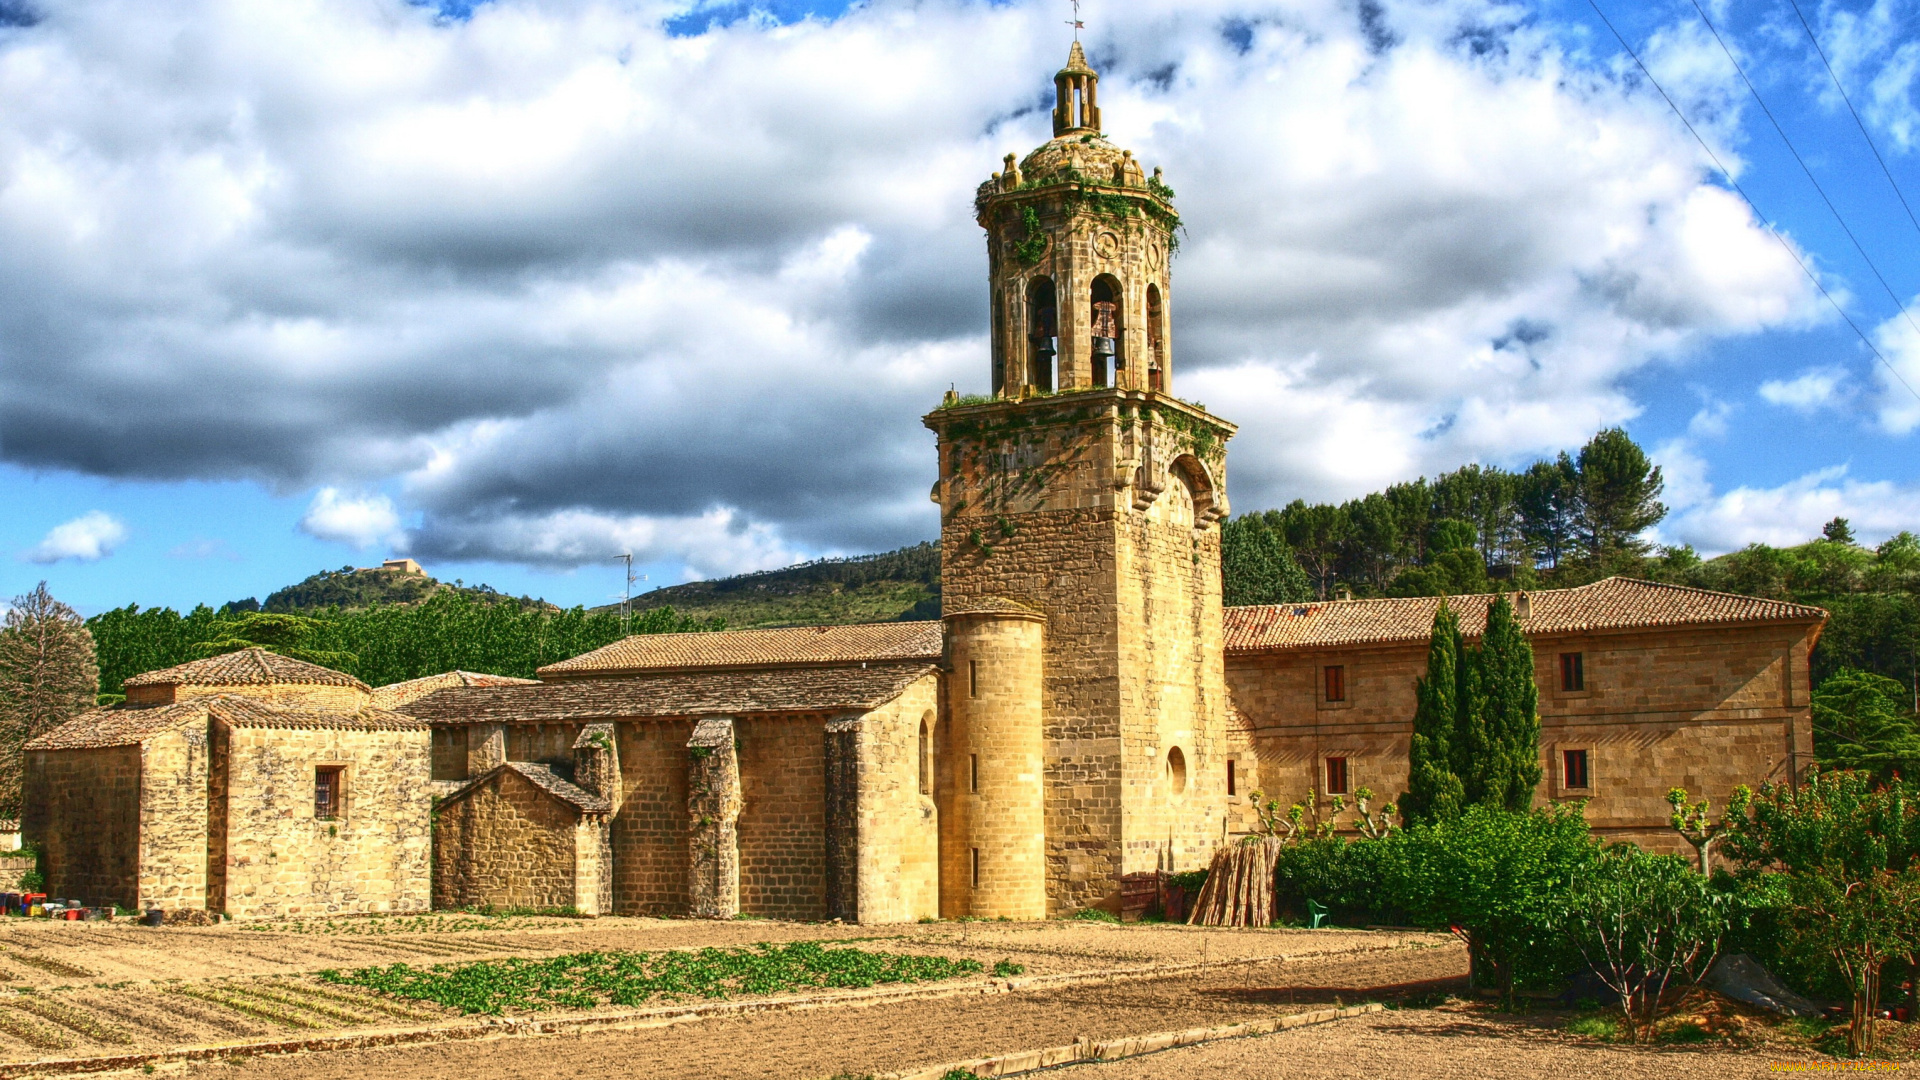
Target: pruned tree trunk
x,y
1239,886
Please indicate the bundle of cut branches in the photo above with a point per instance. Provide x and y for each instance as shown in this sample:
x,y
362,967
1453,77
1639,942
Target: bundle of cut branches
x,y
1239,887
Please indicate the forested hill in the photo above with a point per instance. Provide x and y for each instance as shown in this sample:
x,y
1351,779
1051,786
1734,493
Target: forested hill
x,y
350,587
900,584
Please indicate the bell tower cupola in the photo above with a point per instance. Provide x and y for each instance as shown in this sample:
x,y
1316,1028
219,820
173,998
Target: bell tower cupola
x,y
1079,246
1076,96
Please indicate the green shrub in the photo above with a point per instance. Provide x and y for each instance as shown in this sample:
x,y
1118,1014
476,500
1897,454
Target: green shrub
x,y
1094,914
1594,1027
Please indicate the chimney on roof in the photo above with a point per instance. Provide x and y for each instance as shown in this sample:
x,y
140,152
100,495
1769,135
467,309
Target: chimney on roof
x,y
1342,593
1522,606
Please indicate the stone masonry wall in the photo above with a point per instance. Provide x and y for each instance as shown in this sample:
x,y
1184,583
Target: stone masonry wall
x,y
173,820
782,827
283,861
898,826
996,850
1704,709
506,843
649,833
83,808
295,696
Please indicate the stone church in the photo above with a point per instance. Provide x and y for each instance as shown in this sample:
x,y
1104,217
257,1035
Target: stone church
x,y
1084,715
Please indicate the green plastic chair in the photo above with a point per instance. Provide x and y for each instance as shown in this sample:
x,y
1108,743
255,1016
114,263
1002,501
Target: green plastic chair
x,y
1317,912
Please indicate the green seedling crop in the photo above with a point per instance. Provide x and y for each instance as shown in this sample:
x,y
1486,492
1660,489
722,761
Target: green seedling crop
x,y
589,979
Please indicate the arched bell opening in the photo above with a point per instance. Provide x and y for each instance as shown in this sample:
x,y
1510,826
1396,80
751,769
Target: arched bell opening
x,y
1043,333
1107,330
1156,341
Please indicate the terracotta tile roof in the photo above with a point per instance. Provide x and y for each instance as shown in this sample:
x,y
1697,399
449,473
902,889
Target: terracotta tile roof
x,y
667,694
120,726
1614,603
757,648
246,712
248,667
394,695
544,778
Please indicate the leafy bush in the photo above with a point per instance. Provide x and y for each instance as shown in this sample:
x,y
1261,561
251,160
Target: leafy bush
x,y
1647,925
1094,914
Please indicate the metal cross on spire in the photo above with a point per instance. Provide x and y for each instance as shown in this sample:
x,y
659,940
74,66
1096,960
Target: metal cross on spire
x,y
1075,21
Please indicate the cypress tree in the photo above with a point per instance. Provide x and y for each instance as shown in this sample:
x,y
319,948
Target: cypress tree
x,y
1509,712
1434,792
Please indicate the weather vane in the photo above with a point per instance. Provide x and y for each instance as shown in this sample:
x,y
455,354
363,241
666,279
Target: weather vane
x,y
1075,21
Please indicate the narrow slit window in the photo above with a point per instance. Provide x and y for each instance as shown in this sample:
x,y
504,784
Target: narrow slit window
x,y
1336,776
973,772
1336,682
976,868
1232,780
973,678
1573,672
1573,769
328,791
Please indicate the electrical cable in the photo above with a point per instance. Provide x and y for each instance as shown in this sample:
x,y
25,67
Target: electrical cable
x,y
1861,124
1742,192
1795,151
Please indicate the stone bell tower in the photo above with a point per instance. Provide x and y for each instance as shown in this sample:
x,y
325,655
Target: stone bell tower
x,y
1087,702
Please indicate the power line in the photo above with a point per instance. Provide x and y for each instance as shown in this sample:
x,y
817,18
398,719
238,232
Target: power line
x,y
1795,151
1742,192
1861,124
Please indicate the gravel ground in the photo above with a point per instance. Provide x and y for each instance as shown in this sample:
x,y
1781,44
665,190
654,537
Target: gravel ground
x,y
1438,1044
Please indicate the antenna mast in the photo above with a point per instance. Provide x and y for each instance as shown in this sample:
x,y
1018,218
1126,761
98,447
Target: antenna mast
x,y
626,594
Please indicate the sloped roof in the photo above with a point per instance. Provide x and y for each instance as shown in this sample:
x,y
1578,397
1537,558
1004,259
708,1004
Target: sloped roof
x,y
120,725
1615,603
394,695
124,725
544,778
246,712
248,667
757,648
674,693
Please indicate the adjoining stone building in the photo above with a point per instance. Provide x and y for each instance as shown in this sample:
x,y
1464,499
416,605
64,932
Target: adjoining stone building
x,y
249,785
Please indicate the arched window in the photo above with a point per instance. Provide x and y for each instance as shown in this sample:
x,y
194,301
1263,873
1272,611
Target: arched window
x,y
926,754
1156,341
1043,332
1107,329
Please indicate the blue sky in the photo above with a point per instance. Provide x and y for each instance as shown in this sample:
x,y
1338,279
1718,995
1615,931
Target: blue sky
x,y
515,286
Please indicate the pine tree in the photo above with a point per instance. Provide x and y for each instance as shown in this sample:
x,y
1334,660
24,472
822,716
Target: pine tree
x,y
1619,492
1509,712
1257,566
1434,792
47,676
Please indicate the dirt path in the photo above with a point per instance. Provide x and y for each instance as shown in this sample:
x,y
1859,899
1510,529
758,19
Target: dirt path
x,y
824,1042
1439,1045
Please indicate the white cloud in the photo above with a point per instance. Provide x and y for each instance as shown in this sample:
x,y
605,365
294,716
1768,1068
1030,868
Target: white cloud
x,y
88,538
557,279
1791,513
360,520
1899,398
714,544
1812,389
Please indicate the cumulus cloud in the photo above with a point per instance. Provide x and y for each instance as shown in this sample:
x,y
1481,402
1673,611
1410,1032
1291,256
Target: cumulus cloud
x,y
1899,389
88,538
560,281
1812,389
1794,512
360,520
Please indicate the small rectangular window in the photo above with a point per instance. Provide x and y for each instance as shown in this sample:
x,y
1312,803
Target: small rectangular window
x,y
1573,674
1336,682
1336,776
1231,790
973,772
973,678
328,791
976,868
1573,769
